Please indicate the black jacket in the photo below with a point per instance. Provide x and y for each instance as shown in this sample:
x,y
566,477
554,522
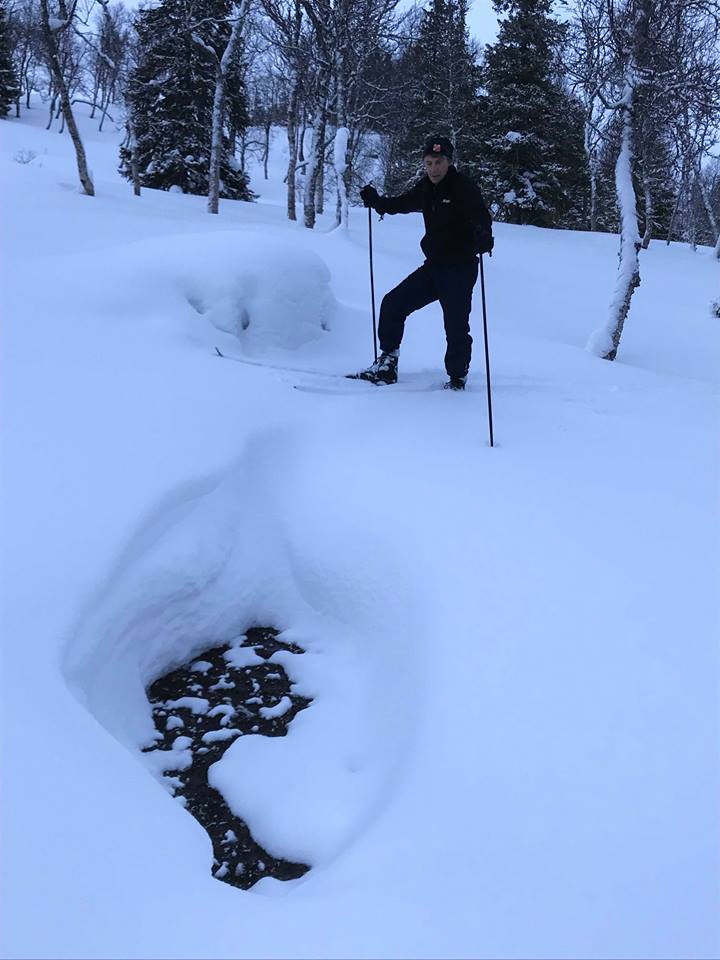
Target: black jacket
x,y
454,212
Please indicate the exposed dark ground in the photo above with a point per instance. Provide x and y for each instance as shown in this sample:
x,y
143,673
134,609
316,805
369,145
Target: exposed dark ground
x,y
240,693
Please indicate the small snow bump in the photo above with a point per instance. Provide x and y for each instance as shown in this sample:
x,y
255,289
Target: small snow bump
x,y
279,710
223,710
201,666
242,657
213,736
198,705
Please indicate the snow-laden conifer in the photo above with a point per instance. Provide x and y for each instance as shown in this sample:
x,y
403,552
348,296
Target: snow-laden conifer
x,y
531,127
438,78
9,86
171,93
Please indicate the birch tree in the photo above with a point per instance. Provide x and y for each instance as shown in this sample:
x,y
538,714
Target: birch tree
x,y
54,22
223,63
658,62
288,36
348,36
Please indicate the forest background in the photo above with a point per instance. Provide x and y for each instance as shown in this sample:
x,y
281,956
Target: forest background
x,y
588,115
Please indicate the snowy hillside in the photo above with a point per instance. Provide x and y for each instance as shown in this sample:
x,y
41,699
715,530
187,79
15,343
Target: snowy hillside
x,y
512,653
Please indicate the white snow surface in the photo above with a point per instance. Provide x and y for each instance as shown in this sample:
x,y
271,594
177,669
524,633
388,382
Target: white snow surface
x,y
512,749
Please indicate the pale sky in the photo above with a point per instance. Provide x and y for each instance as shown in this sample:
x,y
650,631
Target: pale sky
x,y
482,22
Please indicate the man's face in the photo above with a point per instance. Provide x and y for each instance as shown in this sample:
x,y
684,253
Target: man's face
x,y
436,166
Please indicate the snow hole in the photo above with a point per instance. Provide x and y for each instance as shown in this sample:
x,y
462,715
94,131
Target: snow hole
x,y
197,715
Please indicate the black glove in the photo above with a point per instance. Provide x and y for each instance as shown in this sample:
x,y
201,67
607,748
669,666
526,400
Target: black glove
x,y
370,196
484,241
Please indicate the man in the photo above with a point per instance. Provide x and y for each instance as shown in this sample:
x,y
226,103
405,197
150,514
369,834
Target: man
x,y
457,228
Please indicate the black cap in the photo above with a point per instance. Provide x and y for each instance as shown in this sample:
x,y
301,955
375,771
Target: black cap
x,y
438,146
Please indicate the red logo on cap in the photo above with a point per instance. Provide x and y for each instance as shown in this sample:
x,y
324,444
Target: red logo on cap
x,y
437,148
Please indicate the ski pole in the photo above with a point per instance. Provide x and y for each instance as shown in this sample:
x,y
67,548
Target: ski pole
x,y
372,282
487,352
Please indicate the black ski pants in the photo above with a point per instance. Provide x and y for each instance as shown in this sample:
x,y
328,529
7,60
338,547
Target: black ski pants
x,y
452,285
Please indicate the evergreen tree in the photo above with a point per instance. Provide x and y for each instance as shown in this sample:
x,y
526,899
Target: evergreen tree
x,y
170,98
532,130
438,86
9,86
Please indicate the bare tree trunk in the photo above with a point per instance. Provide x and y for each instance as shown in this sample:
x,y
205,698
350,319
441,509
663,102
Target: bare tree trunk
x,y
69,119
221,68
134,168
104,107
61,87
94,99
216,141
320,171
243,149
320,190
292,124
316,158
693,220
592,172
712,220
300,146
266,153
311,170
342,137
605,341
673,216
342,140
647,236
53,103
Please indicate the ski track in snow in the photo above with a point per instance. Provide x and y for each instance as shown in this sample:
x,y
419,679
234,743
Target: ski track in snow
x,y
511,653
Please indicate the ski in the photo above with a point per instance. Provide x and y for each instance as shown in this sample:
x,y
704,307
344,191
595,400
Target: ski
x,y
368,388
276,366
339,383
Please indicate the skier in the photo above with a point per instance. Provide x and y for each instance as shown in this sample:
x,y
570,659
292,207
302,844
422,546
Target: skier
x,y
458,227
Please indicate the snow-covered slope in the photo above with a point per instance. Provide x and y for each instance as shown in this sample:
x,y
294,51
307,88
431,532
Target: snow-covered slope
x,y
513,652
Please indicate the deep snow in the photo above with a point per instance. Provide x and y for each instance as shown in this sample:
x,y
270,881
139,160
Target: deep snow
x,y
513,653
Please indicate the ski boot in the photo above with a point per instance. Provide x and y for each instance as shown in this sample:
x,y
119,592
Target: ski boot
x,y
383,371
455,383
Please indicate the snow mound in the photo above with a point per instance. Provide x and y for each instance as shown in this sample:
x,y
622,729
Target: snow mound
x,y
278,297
